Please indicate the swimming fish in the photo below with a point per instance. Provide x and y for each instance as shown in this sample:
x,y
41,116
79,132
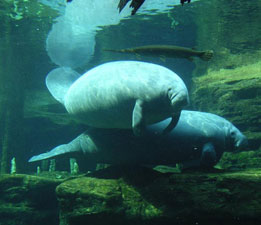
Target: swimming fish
x,y
136,4
170,51
183,1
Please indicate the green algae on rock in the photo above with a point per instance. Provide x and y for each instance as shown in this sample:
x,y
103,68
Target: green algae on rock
x,y
184,198
26,199
240,160
119,195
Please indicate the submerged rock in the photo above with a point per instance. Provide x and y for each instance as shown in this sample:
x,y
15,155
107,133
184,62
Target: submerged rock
x,y
240,160
132,195
26,199
143,196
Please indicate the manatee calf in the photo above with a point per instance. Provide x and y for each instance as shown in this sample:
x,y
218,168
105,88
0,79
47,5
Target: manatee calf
x,y
170,51
199,139
121,94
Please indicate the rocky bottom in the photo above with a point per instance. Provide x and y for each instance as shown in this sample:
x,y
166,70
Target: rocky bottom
x,y
137,195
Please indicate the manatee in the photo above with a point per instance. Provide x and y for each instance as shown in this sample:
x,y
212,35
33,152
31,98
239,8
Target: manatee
x,y
198,140
170,51
120,94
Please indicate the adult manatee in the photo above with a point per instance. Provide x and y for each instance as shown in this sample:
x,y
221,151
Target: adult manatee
x,y
121,94
199,139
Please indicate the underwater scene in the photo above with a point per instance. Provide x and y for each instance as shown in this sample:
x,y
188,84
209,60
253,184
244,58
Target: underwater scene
x,y
144,112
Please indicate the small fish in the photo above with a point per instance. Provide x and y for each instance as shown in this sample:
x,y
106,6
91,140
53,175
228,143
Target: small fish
x,y
170,51
183,1
136,4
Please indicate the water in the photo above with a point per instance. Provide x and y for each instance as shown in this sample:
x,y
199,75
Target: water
x,y
38,36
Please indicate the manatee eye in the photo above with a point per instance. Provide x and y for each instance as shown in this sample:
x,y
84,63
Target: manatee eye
x,y
233,133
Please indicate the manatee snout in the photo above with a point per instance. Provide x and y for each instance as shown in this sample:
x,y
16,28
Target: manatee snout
x,y
179,100
241,143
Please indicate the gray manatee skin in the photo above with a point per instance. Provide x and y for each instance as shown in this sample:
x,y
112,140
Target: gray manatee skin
x,y
199,139
120,94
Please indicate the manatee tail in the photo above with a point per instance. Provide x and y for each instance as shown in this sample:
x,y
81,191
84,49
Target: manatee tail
x,y
59,150
59,80
207,55
73,147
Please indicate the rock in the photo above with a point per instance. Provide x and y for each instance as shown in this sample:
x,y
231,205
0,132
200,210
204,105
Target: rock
x,y
240,160
26,199
234,40
124,195
155,198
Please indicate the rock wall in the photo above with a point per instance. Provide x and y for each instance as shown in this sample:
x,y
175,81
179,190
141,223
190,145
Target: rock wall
x,y
230,28
229,84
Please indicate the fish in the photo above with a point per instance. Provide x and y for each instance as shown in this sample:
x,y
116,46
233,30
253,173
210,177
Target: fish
x,y
183,1
170,51
136,4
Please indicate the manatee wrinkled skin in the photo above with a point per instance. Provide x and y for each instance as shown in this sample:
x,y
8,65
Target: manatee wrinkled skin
x,y
121,94
199,139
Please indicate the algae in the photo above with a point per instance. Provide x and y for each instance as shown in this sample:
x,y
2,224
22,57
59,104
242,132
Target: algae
x,y
184,198
26,199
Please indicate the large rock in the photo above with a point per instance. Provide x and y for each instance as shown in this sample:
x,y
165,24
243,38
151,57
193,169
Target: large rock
x,y
241,160
233,94
140,196
119,195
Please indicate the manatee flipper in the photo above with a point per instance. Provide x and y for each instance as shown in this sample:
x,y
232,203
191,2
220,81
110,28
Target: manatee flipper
x,y
138,122
208,156
172,124
70,148
59,80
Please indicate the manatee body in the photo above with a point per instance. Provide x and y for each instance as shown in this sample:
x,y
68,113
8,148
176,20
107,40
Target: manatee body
x,y
121,94
199,139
